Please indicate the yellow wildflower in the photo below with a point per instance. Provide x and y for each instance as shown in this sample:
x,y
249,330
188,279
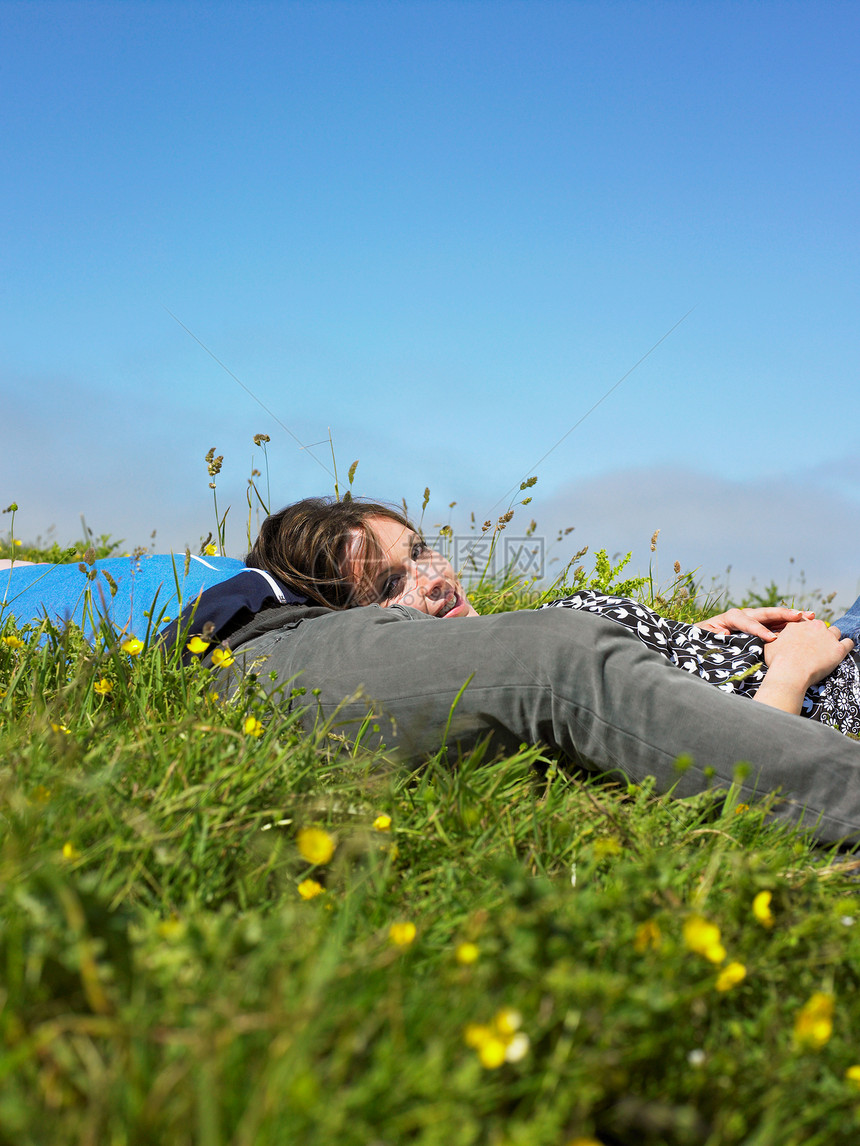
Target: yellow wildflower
x,y
853,1074
761,908
197,645
402,933
132,646
315,845
647,935
223,658
741,808
70,852
499,1041
467,953
13,642
507,1021
252,726
211,550
309,889
103,686
60,728
492,1052
814,1023
730,976
704,938
382,823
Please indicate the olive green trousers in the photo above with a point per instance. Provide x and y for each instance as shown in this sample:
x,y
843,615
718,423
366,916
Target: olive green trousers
x,y
563,678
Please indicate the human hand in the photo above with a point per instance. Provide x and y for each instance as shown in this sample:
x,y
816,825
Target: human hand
x,y
807,651
765,623
802,654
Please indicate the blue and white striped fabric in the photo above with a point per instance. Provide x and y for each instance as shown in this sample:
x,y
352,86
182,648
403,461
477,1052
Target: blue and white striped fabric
x,y
150,591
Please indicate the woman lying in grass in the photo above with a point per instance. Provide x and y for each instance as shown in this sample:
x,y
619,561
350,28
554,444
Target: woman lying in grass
x,y
346,554
343,554
596,679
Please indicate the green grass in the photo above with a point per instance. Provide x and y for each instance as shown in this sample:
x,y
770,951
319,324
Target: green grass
x,y
163,980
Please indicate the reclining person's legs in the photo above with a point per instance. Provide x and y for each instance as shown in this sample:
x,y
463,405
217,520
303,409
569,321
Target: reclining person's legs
x,y
565,678
849,623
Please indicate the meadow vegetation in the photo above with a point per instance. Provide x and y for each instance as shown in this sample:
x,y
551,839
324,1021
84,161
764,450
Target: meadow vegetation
x,y
217,928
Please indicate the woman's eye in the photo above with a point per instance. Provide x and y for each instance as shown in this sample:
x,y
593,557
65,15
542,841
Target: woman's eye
x,y
390,588
419,548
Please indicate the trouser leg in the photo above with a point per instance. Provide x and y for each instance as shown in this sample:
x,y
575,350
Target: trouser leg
x,y
849,623
570,680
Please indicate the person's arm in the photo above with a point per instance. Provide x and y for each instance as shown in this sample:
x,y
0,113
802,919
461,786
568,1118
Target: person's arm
x,y
765,623
802,655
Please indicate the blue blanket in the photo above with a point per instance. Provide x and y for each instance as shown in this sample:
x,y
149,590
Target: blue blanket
x,y
149,591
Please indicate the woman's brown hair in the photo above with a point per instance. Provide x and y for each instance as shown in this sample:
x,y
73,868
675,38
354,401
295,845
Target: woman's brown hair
x,y
311,544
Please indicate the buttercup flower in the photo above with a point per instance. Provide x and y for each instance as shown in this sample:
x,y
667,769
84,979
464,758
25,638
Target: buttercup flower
x,y
315,845
13,642
853,1074
704,938
761,908
508,1021
382,823
132,646
211,549
402,934
467,953
647,935
252,726
70,852
498,1041
309,889
103,686
814,1023
197,645
490,1046
730,976
741,808
223,658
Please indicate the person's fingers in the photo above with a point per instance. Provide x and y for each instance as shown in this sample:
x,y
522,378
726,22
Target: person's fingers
x,y
757,630
774,613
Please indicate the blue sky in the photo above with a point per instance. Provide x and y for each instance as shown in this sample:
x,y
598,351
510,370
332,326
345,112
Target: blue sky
x,y
439,232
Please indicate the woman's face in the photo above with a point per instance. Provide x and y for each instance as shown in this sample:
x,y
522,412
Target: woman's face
x,y
408,573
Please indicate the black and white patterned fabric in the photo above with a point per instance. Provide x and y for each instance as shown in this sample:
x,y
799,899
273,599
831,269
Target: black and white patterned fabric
x,y
734,663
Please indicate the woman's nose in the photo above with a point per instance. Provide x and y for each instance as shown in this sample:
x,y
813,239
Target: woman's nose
x,y
430,576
